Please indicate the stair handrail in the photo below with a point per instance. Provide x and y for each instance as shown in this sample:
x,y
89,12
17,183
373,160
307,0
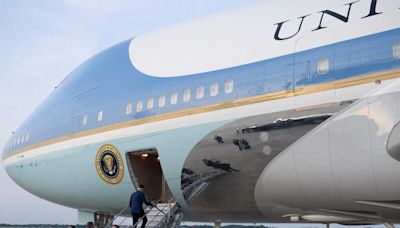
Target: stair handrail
x,y
122,211
147,210
165,221
116,216
155,206
159,211
171,211
167,216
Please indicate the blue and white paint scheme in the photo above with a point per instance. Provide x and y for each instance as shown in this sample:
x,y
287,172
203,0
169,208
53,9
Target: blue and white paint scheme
x,y
267,113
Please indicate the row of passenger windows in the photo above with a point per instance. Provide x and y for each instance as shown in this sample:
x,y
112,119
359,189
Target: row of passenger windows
x,y
150,103
322,68
161,101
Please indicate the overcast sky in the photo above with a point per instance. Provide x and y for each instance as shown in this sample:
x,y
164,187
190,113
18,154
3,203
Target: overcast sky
x,y
42,41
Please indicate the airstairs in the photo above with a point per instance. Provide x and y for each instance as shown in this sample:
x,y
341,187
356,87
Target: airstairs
x,y
144,165
162,215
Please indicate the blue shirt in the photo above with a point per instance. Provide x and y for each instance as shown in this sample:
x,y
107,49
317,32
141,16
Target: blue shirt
x,y
137,200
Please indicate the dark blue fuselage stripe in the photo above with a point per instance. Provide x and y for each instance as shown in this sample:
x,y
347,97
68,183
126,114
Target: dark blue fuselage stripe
x,y
108,82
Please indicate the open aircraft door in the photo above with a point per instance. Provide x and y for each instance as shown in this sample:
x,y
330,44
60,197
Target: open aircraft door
x,y
145,169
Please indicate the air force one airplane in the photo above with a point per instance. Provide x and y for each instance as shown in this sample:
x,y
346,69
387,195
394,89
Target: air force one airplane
x,y
278,112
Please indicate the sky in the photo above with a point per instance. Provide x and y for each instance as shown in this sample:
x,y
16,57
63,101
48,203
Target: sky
x,y
42,41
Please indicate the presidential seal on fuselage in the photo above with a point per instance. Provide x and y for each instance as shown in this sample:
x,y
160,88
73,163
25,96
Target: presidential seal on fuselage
x,y
109,164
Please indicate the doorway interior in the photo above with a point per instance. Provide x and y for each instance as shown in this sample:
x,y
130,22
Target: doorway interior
x,y
145,169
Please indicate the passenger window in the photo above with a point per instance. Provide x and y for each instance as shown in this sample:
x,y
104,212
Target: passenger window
x,y
27,137
100,116
150,103
128,108
228,86
22,139
161,101
139,106
186,95
84,120
396,51
174,98
200,92
18,140
214,89
323,66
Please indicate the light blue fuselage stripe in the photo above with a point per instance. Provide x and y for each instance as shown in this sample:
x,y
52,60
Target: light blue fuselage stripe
x,y
108,82
73,183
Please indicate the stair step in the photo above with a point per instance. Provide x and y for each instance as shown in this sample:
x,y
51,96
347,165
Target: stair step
x,y
162,217
155,213
162,207
155,218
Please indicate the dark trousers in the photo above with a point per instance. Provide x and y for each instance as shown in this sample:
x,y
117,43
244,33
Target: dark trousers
x,y
136,217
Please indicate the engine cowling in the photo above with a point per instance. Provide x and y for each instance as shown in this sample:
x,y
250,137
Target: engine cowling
x,y
353,156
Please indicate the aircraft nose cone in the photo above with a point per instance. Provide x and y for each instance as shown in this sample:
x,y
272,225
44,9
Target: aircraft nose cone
x,y
13,169
393,144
